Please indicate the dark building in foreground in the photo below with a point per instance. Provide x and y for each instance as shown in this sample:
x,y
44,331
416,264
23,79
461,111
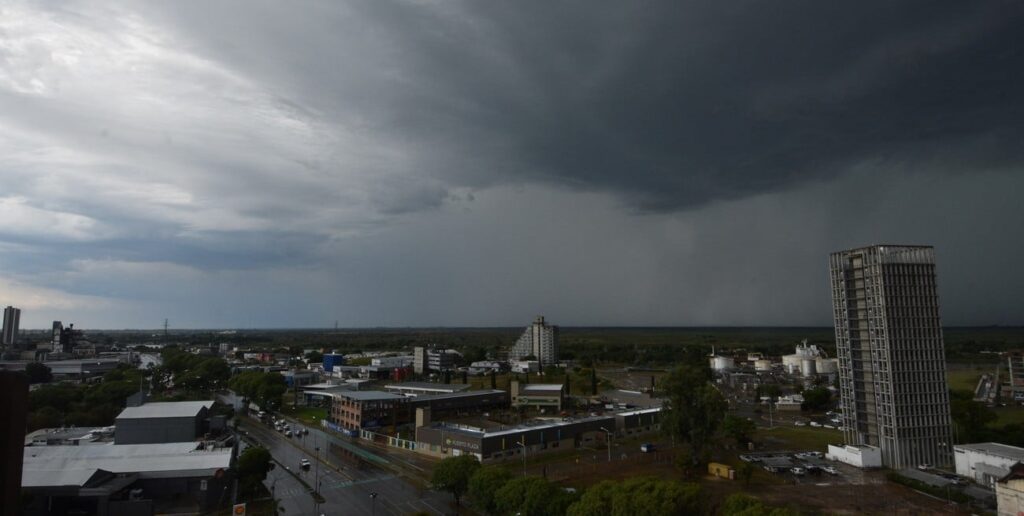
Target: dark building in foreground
x,y
13,415
892,364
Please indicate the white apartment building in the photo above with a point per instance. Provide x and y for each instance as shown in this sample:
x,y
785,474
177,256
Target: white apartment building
x,y
540,340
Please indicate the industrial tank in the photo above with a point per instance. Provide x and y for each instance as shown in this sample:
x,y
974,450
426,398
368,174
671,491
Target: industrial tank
x,y
807,367
826,365
722,363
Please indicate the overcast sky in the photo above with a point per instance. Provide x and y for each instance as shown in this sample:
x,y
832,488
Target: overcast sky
x,y
384,163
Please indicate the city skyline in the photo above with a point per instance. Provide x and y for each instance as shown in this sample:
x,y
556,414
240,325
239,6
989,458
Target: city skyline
x,y
466,164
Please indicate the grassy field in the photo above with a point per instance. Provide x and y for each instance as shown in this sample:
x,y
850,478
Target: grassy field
x,y
966,378
1009,415
308,415
798,437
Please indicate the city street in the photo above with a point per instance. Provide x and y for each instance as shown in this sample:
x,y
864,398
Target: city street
x,y
347,481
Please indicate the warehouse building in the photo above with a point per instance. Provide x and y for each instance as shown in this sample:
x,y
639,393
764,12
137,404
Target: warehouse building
x,y
133,479
986,463
538,395
162,422
442,439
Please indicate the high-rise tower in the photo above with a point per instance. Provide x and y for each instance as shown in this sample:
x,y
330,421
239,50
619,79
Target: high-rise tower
x,y
12,317
892,364
539,340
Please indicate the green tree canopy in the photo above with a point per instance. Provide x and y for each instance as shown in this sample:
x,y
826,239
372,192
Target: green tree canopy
x,y
483,485
263,388
816,399
532,496
643,496
37,372
693,408
453,473
739,428
253,465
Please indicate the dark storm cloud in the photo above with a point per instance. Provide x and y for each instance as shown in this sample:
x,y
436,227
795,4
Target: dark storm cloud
x,y
671,104
398,162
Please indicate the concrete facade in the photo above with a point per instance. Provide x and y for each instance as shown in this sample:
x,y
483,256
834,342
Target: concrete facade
x,y
443,440
539,395
858,456
892,365
539,340
986,463
167,422
1010,492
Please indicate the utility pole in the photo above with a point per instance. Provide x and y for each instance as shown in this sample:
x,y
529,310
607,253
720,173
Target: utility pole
x,y
165,328
609,442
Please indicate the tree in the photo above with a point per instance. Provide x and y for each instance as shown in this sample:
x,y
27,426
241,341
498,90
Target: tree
x,y
739,428
38,373
693,408
453,473
816,399
266,389
745,470
970,417
484,483
643,495
532,496
253,465
315,357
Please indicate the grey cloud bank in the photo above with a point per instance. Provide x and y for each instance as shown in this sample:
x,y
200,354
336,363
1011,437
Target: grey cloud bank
x,y
450,163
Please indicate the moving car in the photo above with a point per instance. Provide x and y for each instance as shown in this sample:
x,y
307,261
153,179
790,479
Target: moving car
x,y
304,464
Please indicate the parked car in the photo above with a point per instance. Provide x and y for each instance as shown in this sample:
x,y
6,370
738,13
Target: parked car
x,y
830,470
815,424
647,447
799,423
304,464
924,467
798,471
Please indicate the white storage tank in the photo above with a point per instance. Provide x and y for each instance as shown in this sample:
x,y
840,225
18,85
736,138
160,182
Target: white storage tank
x,y
763,365
827,365
722,363
791,363
807,367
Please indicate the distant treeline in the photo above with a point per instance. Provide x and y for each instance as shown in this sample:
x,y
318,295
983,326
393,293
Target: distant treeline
x,y
630,346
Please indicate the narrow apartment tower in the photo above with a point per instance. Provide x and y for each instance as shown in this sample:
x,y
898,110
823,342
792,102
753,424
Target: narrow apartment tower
x,y
892,364
12,316
540,340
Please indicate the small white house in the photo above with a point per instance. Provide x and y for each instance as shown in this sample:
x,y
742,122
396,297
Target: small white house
x,y
985,463
861,456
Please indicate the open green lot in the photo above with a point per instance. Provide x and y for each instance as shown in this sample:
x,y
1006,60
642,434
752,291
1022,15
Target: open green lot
x,y
308,415
798,437
965,378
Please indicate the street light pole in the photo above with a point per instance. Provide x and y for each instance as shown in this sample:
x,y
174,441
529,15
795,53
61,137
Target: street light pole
x,y
373,504
317,474
523,444
609,443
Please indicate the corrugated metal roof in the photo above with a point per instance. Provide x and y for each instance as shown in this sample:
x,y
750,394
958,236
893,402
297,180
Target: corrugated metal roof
x,y
445,387
66,465
541,387
165,409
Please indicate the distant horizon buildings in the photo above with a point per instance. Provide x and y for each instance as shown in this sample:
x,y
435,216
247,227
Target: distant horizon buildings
x,y
892,365
539,340
12,317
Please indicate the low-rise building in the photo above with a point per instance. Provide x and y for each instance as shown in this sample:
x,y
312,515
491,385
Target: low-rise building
x,y
299,378
524,366
353,410
441,439
425,388
985,463
162,422
538,395
69,436
861,456
1010,492
136,479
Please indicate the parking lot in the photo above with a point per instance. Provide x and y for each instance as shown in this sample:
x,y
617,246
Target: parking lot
x,y
810,467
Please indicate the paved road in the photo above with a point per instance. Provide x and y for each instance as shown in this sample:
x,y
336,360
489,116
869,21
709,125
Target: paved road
x,y
347,475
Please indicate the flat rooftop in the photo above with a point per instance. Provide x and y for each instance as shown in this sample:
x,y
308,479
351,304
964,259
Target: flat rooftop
x,y
997,449
48,466
368,395
165,409
546,387
427,386
524,427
